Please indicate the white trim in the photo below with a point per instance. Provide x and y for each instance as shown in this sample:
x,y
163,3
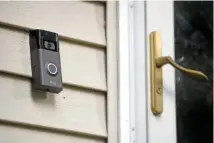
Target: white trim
x,y
132,75
112,78
131,34
140,72
123,59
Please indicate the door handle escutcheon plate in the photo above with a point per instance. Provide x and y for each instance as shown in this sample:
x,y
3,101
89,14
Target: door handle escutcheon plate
x,y
156,74
157,61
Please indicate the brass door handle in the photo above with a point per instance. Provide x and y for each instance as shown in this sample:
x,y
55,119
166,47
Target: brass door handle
x,y
156,78
197,75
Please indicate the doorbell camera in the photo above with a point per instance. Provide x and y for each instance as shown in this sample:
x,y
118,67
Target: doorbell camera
x,y
45,61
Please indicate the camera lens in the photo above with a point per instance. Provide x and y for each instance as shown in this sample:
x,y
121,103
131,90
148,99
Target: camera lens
x,y
49,45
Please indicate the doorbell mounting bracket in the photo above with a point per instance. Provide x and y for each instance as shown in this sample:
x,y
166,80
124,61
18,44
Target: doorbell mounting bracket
x,y
45,61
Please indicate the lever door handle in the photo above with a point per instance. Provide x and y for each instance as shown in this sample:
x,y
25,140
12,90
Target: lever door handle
x,y
157,61
197,75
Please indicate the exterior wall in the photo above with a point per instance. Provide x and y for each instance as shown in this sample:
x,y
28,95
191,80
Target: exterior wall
x,y
80,113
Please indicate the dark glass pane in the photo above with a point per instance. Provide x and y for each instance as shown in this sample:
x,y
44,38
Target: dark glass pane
x,y
193,24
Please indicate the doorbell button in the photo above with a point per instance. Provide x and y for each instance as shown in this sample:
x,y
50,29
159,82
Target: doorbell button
x,y
52,68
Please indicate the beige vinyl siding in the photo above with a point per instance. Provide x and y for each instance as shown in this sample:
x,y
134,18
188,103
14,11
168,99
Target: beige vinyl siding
x,y
72,110
75,71
82,21
86,110
17,134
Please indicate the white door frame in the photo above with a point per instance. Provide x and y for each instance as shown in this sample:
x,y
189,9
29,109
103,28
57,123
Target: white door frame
x,y
160,17
132,72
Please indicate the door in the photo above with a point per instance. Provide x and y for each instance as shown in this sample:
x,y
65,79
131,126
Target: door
x,y
183,111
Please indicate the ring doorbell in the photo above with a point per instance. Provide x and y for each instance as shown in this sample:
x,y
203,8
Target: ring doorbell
x,y
45,61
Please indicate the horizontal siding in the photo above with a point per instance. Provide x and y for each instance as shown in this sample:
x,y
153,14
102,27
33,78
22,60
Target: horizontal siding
x,y
78,113
71,110
10,134
81,66
82,21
